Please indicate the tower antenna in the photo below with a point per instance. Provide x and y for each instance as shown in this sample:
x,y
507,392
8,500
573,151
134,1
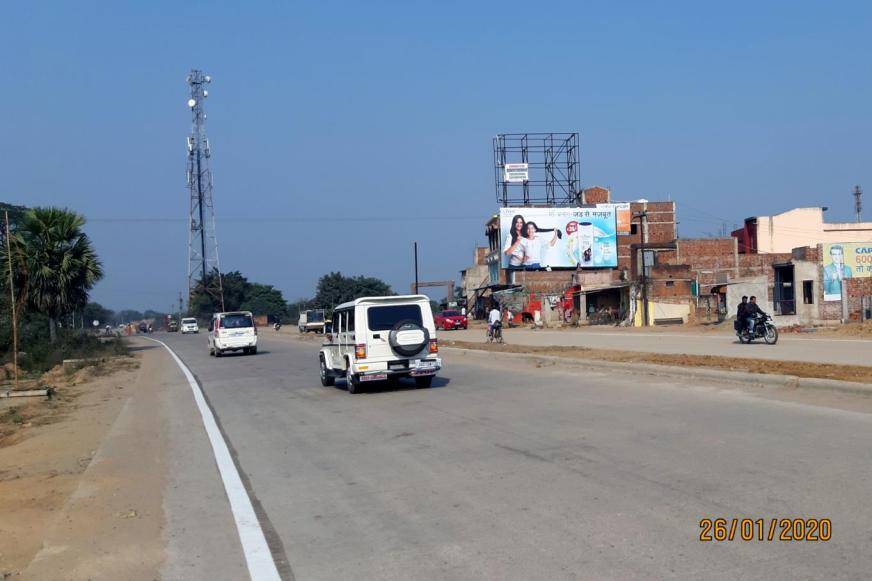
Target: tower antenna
x,y
204,272
858,203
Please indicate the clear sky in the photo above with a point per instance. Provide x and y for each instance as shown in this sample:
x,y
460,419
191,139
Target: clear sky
x,y
364,110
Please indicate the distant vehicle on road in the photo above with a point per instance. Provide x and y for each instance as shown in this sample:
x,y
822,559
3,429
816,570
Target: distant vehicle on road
x,y
172,326
449,320
143,327
381,338
234,331
190,325
312,320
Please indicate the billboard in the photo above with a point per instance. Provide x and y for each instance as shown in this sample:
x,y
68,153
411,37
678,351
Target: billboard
x,y
622,216
845,260
516,172
540,238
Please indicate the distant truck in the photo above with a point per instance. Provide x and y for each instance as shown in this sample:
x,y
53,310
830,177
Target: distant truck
x,y
312,320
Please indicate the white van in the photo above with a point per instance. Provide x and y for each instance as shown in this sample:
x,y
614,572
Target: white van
x,y
190,325
232,332
381,338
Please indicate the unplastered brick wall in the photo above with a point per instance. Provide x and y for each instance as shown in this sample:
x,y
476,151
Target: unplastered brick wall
x,y
596,195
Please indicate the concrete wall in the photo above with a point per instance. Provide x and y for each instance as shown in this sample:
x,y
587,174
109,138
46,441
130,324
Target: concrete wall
x,y
661,310
756,286
805,227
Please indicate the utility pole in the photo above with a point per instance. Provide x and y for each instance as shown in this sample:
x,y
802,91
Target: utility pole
x,y
12,295
180,308
643,218
858,203
203,269
416,268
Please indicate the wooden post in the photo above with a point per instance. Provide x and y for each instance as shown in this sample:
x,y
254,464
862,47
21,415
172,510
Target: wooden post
x,y
12,295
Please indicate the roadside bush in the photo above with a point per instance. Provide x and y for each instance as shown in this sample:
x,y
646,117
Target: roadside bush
x,y
72,344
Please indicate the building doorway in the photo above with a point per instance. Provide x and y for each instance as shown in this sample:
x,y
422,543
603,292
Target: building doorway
x,y
784,293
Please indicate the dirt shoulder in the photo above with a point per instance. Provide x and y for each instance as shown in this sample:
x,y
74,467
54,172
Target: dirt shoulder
x,y
855,373
74,503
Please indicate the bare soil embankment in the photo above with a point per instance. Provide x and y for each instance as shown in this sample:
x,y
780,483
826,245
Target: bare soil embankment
x,y
45,447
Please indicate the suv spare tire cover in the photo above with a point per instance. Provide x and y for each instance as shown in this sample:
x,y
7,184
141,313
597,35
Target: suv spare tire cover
x,y
404,338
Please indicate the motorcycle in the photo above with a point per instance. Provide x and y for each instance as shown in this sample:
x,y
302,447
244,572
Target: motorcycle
x,y
762,328
277,326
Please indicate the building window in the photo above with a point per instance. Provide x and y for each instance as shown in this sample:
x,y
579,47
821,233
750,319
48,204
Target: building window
x,y
670,283
808,292
634,228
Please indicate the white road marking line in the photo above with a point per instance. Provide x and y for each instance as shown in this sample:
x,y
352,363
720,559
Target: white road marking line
x,y
257,554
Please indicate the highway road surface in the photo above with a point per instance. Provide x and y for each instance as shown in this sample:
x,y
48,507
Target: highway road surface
x,y
506,470
790,346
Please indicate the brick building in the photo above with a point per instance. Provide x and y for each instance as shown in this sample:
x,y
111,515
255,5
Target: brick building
x,y
603,294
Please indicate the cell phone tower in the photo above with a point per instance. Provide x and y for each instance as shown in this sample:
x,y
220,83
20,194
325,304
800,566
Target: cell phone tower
x,y
203,269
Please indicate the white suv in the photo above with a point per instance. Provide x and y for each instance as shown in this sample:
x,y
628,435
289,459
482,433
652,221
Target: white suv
x,y
189,325
381,338
232,332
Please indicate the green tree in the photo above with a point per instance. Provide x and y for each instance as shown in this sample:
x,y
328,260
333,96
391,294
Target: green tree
x,y
264,299
129,316
97,312
334,289
57,261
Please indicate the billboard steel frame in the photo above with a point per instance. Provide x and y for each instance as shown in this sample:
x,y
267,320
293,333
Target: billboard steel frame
x,y
553,162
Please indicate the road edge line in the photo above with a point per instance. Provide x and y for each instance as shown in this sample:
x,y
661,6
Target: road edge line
x,y
258,557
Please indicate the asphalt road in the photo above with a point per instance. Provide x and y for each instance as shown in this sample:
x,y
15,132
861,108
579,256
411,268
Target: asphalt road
x,y
790,347
505,470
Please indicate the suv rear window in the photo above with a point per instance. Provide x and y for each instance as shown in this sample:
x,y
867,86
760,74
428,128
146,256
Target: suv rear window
x,y
384,318
189,321
236,322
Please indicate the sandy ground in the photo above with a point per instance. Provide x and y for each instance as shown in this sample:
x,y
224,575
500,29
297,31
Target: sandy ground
x,y
73,504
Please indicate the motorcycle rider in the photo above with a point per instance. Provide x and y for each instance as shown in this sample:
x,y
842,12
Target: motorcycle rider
x,y
493,317
752,311
742,314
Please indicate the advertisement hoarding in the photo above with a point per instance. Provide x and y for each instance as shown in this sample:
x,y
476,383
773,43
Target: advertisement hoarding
x,y
622,216
540,238
844,260
516,172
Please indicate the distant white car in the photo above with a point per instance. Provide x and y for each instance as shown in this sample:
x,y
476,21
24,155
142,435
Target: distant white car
x,y
381,338
232,332
190,325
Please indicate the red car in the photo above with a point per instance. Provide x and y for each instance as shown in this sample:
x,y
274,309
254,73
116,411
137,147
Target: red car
x,y
450,320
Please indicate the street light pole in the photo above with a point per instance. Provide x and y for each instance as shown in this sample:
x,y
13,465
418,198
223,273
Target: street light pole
x,y
416,268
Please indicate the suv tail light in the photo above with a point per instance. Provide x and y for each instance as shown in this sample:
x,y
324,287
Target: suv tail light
x,y
360,351
434,346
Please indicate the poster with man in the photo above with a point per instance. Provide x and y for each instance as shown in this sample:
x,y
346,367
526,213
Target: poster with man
x,y
543,238
844,260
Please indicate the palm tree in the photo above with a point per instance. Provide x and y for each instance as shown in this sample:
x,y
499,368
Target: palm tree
x,y
58,262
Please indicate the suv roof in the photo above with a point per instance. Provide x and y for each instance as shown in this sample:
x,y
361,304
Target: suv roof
x,y
232,313
384,300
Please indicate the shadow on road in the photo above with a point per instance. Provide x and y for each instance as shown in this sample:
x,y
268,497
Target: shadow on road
x,y
405,384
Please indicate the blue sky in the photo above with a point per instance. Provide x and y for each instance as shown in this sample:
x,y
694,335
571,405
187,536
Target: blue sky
x,y
357,110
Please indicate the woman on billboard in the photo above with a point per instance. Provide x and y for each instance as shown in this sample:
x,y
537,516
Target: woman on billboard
x,y
514,246
534,245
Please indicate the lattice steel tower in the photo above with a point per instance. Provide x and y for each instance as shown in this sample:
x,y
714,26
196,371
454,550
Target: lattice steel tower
x,y
203,267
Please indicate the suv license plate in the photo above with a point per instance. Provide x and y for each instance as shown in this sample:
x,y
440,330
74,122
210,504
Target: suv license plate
x,y
374,377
